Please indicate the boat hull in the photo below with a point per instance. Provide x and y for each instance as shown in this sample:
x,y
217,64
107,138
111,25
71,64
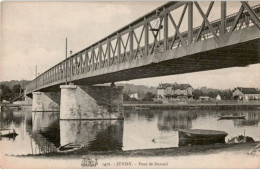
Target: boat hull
x,y
69,147
8,133
201,137
232,117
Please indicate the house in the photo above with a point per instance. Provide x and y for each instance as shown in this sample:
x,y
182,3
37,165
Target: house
x,y
204,98
174,91
241,93
218,97
134,96
5,101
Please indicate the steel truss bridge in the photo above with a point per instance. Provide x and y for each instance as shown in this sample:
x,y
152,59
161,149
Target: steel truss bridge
x,y
140,50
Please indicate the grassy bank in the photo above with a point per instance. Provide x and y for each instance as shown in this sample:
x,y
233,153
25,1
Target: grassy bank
x,y
175,151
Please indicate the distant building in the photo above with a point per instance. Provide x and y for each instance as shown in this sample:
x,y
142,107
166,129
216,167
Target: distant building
x,y
204,98
174,91
5,101
246,94
218,97
134,96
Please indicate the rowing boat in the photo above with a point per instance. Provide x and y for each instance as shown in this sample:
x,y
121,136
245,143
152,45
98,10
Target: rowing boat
x,y
8,133
231,117
200,136
69,147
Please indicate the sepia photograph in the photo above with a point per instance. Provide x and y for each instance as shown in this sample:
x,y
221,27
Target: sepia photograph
x,y
129,84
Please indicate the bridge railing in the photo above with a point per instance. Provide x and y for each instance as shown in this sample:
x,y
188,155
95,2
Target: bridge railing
x,y
126,45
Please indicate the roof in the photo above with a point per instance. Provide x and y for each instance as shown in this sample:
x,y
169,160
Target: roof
x,y
174,86
248,90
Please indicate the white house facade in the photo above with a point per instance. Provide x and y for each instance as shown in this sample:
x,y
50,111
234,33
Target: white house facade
x,y
174,91
241,93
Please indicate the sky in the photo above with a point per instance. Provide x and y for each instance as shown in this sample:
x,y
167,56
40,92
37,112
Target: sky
x,y
33,33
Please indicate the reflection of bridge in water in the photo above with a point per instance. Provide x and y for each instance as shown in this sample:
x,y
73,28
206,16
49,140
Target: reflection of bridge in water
x,y
45,131
49,133
94,134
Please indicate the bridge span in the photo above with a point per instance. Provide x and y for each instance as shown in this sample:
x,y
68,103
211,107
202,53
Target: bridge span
x,y
231,41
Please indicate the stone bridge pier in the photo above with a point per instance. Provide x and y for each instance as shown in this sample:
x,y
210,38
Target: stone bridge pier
x,y
46,101
91,102
81,102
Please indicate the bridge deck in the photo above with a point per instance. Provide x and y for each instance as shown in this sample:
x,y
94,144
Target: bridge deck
x,y
199,49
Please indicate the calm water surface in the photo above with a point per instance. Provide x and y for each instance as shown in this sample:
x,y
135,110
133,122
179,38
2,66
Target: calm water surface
x,y
44,132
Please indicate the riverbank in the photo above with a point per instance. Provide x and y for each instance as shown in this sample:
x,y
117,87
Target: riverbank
x,y
182,105
174,151
210,106
209,156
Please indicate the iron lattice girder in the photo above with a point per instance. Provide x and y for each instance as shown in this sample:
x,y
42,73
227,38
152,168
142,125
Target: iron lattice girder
x,y
203,22
205,18
94,57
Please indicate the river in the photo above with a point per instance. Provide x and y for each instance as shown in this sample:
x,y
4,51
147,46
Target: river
x,y
40,132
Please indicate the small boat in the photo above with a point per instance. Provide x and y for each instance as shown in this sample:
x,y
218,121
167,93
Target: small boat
x,y
69,147
8,133
231,117
200,136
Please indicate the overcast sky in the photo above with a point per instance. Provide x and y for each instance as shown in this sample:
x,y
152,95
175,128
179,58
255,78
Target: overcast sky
x,y
33,33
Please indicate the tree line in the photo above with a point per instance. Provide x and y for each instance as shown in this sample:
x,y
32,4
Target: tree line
x,y
8,94
225,94
212,93
10,91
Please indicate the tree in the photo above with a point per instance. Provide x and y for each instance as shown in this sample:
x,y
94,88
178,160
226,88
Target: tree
x,y
149,96
16,89
126,97
227,94
7,93
197,93
212,94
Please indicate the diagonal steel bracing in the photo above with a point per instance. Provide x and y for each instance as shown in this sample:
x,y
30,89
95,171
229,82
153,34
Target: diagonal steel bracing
x,y
120,55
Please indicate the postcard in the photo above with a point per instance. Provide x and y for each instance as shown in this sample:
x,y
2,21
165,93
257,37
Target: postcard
x,y
130,84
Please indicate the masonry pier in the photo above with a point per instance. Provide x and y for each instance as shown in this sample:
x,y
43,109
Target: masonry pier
x,y
46,102
28,99
91,102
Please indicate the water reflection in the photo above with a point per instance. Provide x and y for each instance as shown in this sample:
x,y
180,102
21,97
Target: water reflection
x,y
252,119
46,131
94,135
10,117
169,120
49,133
43,132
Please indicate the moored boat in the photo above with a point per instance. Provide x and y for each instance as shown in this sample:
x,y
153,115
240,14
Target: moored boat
x,y
69,147
8,133
200,136
231,116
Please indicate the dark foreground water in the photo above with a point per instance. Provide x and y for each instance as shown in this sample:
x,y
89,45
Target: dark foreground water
x,y
44,132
